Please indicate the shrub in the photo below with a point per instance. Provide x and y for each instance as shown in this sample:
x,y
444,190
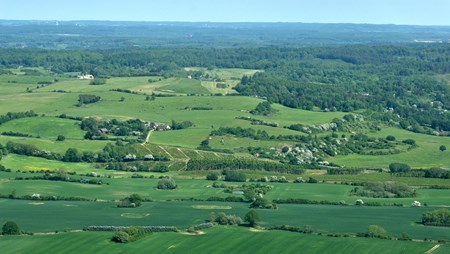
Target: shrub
x,y
134,200
225,219
97,81
390,138
252,217
312,180
376,231
399,168
120,237
234,176
166,184
60,138
213,176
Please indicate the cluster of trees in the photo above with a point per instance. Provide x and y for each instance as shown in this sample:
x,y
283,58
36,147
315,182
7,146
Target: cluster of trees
x,y
16,115
399,168
307,229
181,125
264,108
235,176
403,169
97,81
344,171
92,126
388,189
241,163
225,219
87,99
118,152
166,183
137,166
132,201
440,217
130,234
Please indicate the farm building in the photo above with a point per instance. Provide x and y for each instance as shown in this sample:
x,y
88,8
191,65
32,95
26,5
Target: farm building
x,y
158,126
86,76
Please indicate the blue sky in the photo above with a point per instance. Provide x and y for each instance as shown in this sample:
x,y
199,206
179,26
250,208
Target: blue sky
x,y
416,12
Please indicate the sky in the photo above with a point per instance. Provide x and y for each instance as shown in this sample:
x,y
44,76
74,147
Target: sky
x,y
410,12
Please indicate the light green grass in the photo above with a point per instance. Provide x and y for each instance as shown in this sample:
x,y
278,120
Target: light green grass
x,y
57,146
47,127
181,86
216,240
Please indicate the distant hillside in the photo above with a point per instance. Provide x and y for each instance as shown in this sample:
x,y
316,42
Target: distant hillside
x,y
113,34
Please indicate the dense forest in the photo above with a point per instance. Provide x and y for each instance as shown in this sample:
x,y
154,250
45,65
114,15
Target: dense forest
x,y
400,82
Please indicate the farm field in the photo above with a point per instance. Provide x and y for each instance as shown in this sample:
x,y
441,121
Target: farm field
x,y
73,215
211,242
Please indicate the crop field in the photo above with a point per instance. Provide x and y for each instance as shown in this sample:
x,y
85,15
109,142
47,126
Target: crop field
x,y
211,242
71,215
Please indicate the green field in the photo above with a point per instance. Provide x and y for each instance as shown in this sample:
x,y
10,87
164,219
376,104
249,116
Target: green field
x,y
71,215
216,240
46,127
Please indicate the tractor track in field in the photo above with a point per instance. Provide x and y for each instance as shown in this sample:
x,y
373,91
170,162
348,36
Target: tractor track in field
x,y
433,249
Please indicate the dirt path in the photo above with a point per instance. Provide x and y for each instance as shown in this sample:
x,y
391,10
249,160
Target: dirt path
x,y
148,137
201,156
162,148
433,249
181,151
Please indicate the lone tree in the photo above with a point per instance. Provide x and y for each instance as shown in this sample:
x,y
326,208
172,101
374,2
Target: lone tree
x,y
10,228
252,217
166,184
442,148
60,138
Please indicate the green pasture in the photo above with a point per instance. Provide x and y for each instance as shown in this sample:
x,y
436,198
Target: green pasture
x,y
338,192
27,163
58,146
379,177
82,86
67,215
181,86
117,188
47,127
216,240
426,155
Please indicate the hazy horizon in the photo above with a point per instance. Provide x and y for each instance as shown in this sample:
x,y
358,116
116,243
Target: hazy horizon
x,y
399,12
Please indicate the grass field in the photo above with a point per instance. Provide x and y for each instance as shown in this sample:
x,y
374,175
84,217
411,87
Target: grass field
x,y
216,240
47,127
